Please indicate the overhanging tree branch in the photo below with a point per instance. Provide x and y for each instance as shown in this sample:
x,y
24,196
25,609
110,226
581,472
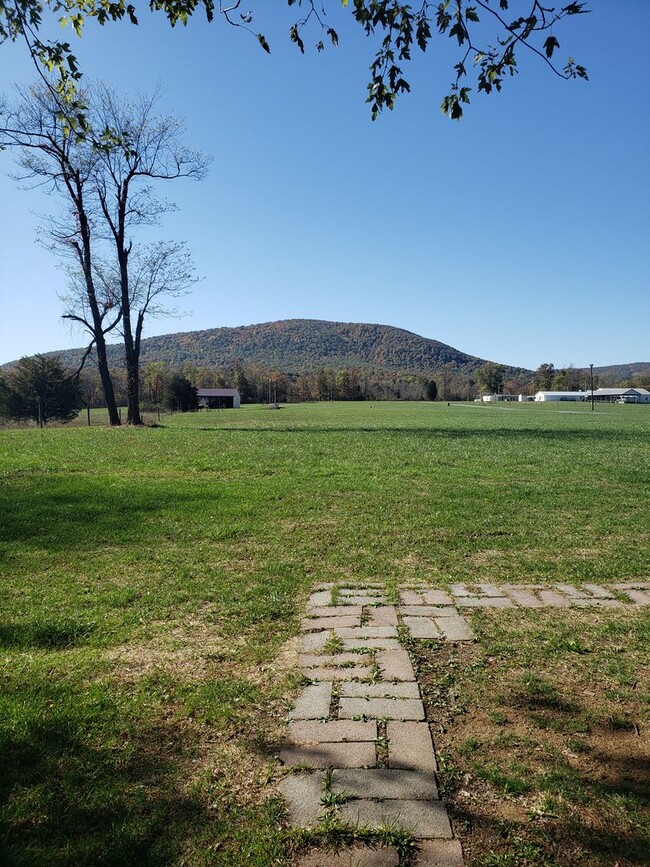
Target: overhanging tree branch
x,y
398,26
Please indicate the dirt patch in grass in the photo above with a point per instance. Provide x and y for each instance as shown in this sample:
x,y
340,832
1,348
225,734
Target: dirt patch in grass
x,y
227,713
186,652
543,734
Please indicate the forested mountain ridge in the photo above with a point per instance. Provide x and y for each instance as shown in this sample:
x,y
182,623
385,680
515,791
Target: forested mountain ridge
x,y
297,345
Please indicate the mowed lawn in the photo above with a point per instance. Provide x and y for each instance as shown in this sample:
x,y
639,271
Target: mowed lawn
x,y
153,580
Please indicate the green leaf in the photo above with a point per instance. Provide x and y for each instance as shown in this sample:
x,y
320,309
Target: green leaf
x,y
261,38
550,45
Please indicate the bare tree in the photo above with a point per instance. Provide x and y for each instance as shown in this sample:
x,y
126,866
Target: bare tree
x,y
105,177
51,157
139,147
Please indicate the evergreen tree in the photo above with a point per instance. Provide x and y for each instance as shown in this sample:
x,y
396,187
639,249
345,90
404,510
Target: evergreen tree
x,y
181,395
39,388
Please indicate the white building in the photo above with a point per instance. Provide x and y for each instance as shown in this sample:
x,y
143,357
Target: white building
x,y
497,398
546,396
621,395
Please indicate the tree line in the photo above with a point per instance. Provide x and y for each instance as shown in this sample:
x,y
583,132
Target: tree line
x,y
41,389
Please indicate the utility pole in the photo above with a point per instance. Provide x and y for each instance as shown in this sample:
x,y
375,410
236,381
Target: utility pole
x,y
591,368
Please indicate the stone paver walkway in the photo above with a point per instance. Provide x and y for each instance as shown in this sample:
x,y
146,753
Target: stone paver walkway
x,y
360,747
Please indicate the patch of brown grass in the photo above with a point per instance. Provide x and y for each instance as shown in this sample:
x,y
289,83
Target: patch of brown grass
x,y
544,739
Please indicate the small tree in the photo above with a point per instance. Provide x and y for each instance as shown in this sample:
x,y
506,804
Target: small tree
x,y
431,390
490,376
39,388
181,395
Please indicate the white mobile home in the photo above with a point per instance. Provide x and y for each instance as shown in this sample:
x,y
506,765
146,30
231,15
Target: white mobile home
x,y
546,396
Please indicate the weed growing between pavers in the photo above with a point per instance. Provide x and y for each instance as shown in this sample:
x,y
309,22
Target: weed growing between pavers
x,y
337,836
541,731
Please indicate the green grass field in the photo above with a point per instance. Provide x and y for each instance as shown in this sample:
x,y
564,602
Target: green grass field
x,y
152,581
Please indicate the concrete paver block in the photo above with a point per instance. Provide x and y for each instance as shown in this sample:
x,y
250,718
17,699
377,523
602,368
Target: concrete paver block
x,y
460,590
598,591
411,597
318,660
439,853
421,627
313,641
429,611
524,597
364,599
313,702
455,629
331,755
382,615
597,603
380,708
395,665
570,591
437,597
367,589
321,597
639,597
314,623
484,602
380,690
315,732
369,643
360,671
356,856
490,590
303,792
410,746
386,784
426,819
554,599
336,611
367,632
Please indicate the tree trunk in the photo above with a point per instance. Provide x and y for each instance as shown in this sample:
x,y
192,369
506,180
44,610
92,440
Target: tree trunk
x,y
132,387
107,382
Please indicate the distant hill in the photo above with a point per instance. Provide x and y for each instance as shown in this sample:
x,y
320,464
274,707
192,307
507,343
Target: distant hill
x,y
296,345
623,372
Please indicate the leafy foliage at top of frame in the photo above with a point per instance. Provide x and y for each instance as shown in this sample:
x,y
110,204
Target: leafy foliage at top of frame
x,y
487,52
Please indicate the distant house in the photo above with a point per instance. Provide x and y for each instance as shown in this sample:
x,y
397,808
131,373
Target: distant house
x,y
621,395
497,398
549,396
219,398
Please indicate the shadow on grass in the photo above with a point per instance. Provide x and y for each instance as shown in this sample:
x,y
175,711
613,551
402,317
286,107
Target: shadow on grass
x,y
74,513
547,843
591,837
66,801
560,435
48,635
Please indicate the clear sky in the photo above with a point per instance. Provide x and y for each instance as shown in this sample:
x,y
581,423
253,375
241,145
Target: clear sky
x,y
520,234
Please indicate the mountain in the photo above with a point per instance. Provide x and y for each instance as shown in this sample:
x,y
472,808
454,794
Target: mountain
x,y
296,345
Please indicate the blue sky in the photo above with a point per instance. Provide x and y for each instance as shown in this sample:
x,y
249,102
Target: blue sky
x,y
519,234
